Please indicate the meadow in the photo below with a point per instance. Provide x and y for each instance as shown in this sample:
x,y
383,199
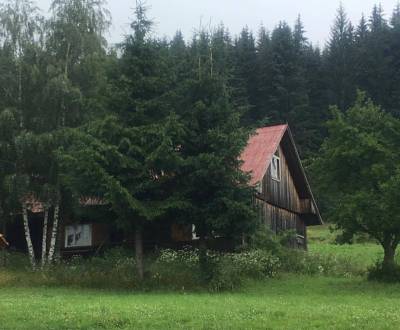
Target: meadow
x,y
289,301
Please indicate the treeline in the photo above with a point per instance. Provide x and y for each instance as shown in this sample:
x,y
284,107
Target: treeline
x,y
284,78
155,127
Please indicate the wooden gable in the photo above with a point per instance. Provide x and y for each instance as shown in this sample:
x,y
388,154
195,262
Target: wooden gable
x,y
292,191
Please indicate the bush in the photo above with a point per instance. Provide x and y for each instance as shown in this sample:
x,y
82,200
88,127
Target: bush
x,y
264,239
232,269
183,269
175,269
384,273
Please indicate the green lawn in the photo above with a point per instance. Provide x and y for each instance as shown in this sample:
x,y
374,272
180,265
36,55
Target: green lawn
x,y
289,302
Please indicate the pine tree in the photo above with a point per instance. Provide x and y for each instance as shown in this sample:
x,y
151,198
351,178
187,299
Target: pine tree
x,y
395,20
377,63
244,71
131,156
299,37
262,112
393,94
211,180
361,53
339,61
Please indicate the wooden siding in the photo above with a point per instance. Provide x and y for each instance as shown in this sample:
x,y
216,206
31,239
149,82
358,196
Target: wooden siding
x,y
280,220
281,207
281,193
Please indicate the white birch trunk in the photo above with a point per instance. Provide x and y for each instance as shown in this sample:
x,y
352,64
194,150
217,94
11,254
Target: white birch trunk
x,y
44,238
28,237
54,234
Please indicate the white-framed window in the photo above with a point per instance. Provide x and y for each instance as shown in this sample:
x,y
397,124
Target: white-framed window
x,y
78,235
276,168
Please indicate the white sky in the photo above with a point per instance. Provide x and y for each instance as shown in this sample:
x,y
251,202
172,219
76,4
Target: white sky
x,y
186,15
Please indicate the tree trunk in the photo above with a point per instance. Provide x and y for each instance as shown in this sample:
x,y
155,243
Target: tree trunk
x,y
139,252
21,123
44,238
388,259
54,233
28,237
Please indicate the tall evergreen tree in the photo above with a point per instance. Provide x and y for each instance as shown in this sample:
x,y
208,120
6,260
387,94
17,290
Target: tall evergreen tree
x,y
393,94
262,112
211,181
339,61
131,157
378,66
245,71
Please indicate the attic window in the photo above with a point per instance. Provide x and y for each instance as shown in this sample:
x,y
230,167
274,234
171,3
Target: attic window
x,y
276,168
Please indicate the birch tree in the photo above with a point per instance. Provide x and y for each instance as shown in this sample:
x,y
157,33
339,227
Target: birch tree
x,y
20,29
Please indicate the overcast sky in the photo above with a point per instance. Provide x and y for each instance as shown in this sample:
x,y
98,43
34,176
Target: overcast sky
x,y
186,15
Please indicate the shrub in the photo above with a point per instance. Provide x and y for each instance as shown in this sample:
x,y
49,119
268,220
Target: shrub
x,y
384,273
264,239
175,269
232,269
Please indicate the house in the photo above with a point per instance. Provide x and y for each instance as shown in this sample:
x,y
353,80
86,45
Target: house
x,y
282,191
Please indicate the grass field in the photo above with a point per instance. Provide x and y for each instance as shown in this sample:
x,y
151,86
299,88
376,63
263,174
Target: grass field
x,y
321,241
288,302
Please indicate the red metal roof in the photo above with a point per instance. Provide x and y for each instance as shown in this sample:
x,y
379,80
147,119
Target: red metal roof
x,y
261,147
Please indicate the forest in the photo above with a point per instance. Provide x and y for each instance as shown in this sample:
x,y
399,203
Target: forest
x,y
155,126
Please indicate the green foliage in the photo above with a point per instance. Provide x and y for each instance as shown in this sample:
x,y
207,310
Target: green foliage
x,y
216,190
264,239
359,166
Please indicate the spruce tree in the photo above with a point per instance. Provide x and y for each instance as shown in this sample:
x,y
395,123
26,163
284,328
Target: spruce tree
x,y
244,80
211,180
339,61
131,157
393,95
378,66
262,112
